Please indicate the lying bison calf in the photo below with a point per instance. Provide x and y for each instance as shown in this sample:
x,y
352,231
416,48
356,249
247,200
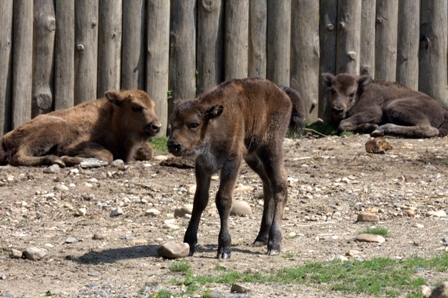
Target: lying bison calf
x,y
361,104
117,126
239,119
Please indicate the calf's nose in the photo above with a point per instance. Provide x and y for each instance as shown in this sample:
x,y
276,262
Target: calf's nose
x,y
155,127
173,146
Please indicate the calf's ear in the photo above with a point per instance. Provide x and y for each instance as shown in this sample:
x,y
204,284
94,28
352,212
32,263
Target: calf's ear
x,y
327,78
214,111
363,81
114,97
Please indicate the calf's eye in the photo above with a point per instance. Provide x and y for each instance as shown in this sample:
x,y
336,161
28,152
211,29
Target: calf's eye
x,y
137,108
352,95
193,125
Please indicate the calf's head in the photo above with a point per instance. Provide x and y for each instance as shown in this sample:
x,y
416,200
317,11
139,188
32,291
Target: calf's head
x,y
345,90
136,112
189,122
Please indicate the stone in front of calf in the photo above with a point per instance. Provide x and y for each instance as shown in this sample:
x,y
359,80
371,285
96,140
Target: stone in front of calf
x,y
15,254
370,238
240,208
378,145
239,289
184,210
173,250
367,217
34,253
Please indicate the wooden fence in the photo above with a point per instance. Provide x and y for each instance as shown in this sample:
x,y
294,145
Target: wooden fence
x,y
57,53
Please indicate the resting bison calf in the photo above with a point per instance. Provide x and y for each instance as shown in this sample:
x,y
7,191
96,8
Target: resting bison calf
x,y
239,119
117,126
361,104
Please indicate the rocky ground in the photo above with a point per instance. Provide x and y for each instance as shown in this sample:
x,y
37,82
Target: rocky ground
x,y
100,236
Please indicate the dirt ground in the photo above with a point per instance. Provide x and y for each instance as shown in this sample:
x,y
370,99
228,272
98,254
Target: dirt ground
x,y
331,180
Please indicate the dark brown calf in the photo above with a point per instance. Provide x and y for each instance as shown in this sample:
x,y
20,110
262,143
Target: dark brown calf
x,y
361,104
239,119
117,126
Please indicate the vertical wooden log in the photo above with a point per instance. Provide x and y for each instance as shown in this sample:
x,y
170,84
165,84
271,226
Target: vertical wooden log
x,y
133,47
408,43
236,37
22,75
64,62
183,50
44,31
158,38
327,39
386,39
279,40
305,54
349,37
433,50
109,46
210,44
257,38
86,50
6,14
367,56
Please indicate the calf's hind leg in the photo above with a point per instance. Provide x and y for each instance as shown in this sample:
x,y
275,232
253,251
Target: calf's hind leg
x,y
75,155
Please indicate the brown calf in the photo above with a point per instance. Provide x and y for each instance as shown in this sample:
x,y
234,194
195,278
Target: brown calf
x,y
117,126
239,119
361,104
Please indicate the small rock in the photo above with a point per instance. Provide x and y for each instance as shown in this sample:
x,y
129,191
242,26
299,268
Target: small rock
x,y
15,254
170,226
192,189
116,212
215,178
292,235
34,253
378,145
438,213
409,212
61,187
340,258
352,253
152,212
417,225
243,188
370,238
239,289
118,163
367,217
160,157
182,211
71,240
99,236
53,169
174,250
81,212
92,163
240,208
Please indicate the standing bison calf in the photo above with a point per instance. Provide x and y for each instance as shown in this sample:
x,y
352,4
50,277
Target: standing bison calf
x,y
117,126
239,119
361,104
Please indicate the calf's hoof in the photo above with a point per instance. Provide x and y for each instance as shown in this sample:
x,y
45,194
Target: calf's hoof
x,y
377,133
224,253
273,252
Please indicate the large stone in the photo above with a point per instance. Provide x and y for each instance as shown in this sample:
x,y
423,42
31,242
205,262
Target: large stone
x,y
367,217
240,208
173,250
182,211
370,238
438,213
34,253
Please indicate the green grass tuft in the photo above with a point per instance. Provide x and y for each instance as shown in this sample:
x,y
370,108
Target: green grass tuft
x,y
159,144
376,231
179,267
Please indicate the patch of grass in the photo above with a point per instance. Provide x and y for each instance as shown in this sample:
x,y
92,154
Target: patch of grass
x,y
159,144
220,268
378,277
163,294
376,231
323,128
289,255
347,133
179,267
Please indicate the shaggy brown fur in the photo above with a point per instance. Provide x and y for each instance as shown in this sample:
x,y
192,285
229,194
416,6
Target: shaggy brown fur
x,y
239,119
117,126
361,104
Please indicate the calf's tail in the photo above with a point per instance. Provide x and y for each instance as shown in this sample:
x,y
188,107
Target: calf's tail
x,y
443,129
297,121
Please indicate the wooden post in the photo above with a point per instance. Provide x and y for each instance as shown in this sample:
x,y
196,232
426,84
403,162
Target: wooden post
x,y
367,56
257,38
22,76
5,65
86,50
433,50
210,44
158,37
386,39
236,37
64,62
43,47
305,54
279,39
349,36
133,47
109,46
183,51
327,37
408,43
